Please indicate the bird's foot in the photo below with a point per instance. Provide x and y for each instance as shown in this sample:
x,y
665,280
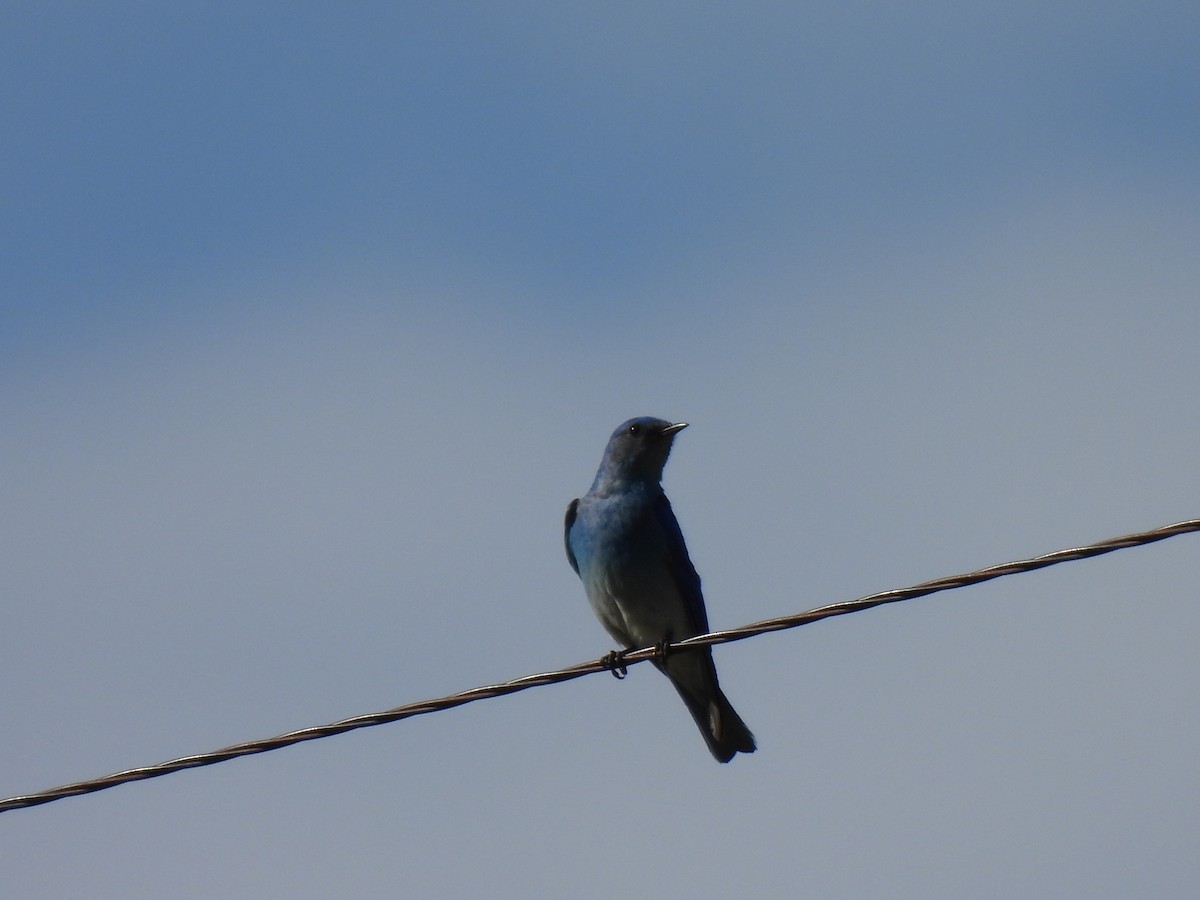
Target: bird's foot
x,y
661,650
614,661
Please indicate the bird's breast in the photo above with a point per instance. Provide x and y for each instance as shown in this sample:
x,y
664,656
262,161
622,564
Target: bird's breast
x,y
625,567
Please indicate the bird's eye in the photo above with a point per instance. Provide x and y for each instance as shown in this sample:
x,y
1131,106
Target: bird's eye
x,y
635,429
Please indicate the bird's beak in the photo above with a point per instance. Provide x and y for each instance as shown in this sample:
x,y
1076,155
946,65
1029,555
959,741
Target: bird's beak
x,y
673,429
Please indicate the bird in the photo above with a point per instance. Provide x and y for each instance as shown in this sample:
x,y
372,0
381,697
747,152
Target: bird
x,y
624,543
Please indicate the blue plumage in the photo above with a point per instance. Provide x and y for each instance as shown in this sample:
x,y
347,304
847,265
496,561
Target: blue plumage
x,y
623,540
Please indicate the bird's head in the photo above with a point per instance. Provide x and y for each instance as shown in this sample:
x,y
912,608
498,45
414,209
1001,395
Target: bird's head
x,y
638,449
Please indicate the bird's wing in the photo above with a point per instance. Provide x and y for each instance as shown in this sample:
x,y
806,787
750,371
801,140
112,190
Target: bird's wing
x,y
572,511
681,566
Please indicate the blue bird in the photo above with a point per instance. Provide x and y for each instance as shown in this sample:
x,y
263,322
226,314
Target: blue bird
x,y
624,543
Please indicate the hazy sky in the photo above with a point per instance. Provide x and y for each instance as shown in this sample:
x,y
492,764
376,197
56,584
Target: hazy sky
x,y
314,318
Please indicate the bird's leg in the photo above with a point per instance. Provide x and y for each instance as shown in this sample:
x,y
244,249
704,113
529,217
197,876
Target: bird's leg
x,y
614,661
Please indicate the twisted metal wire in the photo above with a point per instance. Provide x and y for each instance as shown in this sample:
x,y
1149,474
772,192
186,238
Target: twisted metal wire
x,y
587,668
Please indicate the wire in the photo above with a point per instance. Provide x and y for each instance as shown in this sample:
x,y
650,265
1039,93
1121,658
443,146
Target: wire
x,y
634,656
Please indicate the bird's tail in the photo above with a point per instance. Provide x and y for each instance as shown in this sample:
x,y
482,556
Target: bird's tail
x,y
695,678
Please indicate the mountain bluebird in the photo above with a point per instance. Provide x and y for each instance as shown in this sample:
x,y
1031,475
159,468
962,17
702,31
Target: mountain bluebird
x,y
625,545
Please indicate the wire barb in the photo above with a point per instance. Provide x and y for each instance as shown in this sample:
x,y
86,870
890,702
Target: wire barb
x,y
604,664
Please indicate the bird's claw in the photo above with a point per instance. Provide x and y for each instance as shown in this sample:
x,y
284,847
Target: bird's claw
x,y
614,661
661,650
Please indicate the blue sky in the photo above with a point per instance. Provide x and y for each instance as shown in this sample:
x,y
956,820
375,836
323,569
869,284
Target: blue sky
x,y
313,321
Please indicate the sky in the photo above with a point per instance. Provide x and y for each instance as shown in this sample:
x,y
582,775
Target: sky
x,y
313,320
